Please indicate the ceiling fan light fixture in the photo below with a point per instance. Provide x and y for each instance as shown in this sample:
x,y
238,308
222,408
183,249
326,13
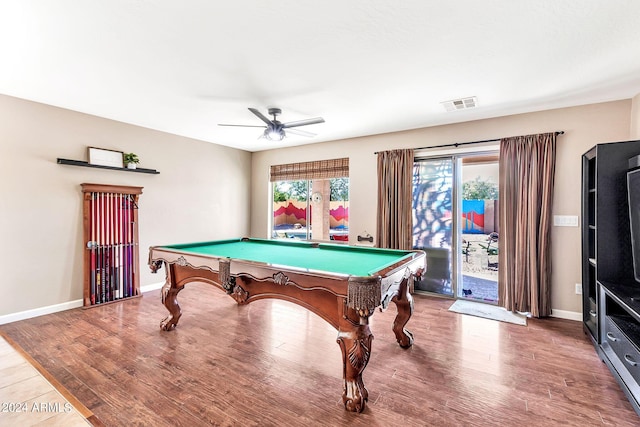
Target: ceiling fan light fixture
x,y
275,130
274,134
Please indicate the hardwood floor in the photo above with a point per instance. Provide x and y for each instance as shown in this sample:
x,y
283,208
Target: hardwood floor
x,y
272,363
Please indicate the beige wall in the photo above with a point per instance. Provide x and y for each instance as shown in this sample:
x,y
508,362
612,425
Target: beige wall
x,y
583,126
201,193
635,117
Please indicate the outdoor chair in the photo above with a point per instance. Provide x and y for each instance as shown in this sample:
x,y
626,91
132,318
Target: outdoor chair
x,y
492,250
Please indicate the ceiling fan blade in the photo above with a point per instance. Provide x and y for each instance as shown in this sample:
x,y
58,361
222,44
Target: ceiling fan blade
x,y
242,126
260,115
300,132
303,122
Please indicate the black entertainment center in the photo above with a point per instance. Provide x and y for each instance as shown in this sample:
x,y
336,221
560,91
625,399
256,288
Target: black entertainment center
x,y
610,289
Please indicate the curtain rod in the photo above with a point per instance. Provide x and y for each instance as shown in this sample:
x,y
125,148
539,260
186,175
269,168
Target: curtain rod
x,y
457,144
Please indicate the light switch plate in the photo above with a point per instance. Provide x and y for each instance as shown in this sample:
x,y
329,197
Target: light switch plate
x,y
565,220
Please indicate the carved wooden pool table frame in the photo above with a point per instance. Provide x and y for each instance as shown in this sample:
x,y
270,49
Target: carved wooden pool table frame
x,y
345,301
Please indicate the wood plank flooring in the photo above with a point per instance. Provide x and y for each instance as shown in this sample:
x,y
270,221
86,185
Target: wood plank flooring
x,y
272,363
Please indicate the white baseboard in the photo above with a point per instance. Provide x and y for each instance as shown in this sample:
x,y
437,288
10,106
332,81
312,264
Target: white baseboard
x,y
151,287
28,314
22,315
569,315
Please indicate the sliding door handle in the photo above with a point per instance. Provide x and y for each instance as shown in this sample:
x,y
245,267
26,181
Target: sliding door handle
x,y
629,360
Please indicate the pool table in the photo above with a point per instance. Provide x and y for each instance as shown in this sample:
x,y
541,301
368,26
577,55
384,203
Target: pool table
x,y
342,284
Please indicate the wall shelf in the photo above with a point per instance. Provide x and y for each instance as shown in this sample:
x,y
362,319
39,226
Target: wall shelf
x,y
88,165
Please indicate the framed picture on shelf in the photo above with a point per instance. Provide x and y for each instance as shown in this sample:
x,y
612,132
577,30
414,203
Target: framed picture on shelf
x,y
102,157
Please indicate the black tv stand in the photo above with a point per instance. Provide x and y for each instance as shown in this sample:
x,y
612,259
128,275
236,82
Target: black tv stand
x,y
620,332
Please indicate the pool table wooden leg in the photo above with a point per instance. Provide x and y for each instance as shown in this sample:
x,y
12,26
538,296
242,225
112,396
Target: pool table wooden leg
x,y
404,304
355,343
169,295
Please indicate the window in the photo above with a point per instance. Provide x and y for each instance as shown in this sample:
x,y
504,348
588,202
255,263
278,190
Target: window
x,y
311,200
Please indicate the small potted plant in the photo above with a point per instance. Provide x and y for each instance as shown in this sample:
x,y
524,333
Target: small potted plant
x,y
131,160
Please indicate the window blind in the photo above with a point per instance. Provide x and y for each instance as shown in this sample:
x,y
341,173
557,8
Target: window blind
x,y
319,169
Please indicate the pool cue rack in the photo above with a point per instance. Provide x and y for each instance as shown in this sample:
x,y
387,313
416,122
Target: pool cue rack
x,y
111,258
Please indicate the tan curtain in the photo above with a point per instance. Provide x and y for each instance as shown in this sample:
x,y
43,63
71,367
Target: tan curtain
x,y
527,165
395,172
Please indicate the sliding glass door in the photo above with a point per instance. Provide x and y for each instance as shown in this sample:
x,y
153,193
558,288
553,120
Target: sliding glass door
x,y
478,272
455,208
433,196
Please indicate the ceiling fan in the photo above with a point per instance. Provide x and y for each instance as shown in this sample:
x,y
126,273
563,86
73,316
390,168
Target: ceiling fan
x,y
275,130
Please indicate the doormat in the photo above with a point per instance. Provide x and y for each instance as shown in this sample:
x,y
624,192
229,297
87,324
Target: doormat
x,y
488,312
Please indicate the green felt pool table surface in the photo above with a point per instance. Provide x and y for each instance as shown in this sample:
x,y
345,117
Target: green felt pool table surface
x,y
335,258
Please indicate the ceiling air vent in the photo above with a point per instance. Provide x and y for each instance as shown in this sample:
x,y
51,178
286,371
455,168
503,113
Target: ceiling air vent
x,y
460,104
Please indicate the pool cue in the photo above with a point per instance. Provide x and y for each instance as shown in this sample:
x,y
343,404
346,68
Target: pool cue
x,y
130,243
116,246
114,262
125,214
119,243
96,245
105,252
100,248
104,258
97,227
122,264
108,237
124,245
125,267
130,239
92,288
107,263
98,251
116,243
118,206
114,257
106,248
123,272
109,248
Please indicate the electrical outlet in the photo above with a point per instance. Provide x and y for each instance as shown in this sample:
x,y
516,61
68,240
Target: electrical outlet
x,y
579,288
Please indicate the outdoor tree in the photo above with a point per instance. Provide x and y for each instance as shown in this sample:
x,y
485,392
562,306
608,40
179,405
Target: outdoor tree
x,y
340,189
290,190
479,189
299,190
280,193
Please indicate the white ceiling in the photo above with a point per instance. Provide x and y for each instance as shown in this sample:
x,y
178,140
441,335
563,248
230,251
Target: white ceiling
x,y
366,66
